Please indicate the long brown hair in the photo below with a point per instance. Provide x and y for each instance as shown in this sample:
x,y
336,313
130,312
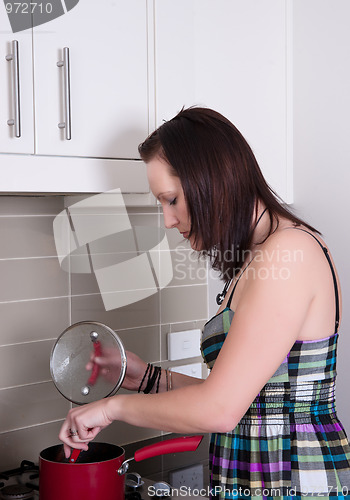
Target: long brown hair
x,y
221,180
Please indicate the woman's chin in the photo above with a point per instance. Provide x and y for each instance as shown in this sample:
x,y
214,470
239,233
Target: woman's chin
x,y
195,245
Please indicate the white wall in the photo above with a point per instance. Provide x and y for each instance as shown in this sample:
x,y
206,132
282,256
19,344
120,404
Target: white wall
x,y
322,145
321,108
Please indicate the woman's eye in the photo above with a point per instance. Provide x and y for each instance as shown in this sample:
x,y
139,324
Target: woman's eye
x,y
172,202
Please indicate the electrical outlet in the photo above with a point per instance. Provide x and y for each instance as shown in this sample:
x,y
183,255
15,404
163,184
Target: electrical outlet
x,y
193,369
191,477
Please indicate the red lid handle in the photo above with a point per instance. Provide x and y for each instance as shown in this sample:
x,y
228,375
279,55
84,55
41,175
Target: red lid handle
x,y
95,367
185,443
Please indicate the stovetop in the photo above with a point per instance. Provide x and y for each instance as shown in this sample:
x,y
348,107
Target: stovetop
x,y
21,483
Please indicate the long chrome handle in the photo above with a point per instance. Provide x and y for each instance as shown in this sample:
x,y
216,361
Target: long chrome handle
x,y
16,95
66,66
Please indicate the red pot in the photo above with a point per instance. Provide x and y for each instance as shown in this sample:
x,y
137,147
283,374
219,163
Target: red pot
x,y
99,473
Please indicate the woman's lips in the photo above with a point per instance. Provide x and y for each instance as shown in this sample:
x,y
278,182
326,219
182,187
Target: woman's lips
x,y
185,234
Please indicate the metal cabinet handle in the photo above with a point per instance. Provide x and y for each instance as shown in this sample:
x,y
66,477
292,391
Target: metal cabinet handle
x,y
65,64
16,122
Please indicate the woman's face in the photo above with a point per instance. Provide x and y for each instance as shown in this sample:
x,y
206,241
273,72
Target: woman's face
x,y
168,190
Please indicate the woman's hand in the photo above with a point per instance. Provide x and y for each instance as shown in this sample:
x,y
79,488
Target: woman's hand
x,y
109,363
83,424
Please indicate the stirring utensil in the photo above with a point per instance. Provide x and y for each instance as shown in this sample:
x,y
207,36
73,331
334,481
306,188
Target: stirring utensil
x,y
74,455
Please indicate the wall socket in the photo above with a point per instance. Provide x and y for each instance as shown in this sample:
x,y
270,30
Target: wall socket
x,y
191,477
193,370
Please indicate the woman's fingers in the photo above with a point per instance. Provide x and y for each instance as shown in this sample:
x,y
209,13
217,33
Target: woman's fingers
x,y
100,361
67,450
83,424
71,439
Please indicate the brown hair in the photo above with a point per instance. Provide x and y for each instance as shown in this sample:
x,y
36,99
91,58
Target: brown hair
x,y
221,180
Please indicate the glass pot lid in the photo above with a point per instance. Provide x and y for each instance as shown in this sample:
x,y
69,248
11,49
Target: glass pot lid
x,y
74,374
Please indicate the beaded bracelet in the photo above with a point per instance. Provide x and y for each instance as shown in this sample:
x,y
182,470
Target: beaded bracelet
x,y
154,374
143,378
152,377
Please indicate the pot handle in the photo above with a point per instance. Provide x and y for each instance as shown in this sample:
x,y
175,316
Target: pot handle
x,y
185,443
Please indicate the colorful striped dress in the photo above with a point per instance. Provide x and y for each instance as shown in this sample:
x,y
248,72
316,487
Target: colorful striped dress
x,y
290,443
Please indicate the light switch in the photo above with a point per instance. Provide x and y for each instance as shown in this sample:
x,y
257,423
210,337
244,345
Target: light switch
x,y
185,344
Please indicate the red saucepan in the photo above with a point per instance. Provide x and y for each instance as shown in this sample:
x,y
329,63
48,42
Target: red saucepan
x,y
98,473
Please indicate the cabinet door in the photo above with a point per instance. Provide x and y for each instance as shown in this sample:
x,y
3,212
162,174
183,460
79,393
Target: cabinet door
x,y
231,56
107,44
9,142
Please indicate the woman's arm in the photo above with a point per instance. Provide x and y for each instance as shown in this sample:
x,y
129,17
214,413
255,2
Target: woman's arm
x,y
175,381
110,365
273,306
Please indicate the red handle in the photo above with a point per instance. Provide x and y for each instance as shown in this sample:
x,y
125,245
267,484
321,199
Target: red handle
x,y
185,443
74,455
95,369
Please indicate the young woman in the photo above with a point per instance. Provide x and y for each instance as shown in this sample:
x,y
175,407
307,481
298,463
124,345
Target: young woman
x,y
269,399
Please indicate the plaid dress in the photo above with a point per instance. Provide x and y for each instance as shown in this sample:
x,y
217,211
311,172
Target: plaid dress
x,y
290,443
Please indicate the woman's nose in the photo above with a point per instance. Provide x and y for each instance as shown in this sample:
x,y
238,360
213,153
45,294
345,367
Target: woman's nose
x,y
170,220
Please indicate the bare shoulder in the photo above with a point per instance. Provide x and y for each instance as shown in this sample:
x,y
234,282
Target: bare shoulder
x,y
292,245
290,263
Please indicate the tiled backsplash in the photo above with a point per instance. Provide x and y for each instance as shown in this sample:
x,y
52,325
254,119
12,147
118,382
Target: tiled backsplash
x,y
38,300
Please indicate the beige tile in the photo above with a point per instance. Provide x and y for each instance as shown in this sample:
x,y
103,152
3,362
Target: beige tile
x,y
143,211
33,320
171,461
25,279
142,313
187,268
144,217
25,363
186,325
31,205
120,433
26,444
183,303
82,284
31,405
142,341
26,237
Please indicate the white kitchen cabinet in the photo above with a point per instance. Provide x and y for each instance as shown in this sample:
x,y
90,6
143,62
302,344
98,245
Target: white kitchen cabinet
x,y
235,57
110,93
107,44
9,142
